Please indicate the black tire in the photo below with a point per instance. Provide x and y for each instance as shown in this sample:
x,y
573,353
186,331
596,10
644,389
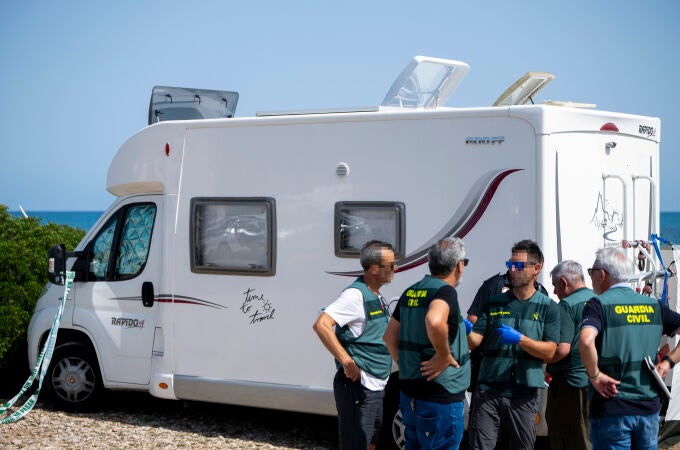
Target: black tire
x,y
73,381
391,435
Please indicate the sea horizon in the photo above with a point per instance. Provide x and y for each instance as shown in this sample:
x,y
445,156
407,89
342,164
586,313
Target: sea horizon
x,y
77,218
85,219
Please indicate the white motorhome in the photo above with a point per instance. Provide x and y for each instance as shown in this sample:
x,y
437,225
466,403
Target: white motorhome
x,y
229,235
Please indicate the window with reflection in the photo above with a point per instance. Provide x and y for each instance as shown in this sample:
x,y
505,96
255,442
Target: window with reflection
x,y
359,222
233,235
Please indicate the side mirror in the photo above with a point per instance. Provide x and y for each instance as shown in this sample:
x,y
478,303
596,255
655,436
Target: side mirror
x,y
56,270
81,266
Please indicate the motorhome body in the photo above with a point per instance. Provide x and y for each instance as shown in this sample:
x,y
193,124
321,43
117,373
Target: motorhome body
x,y
240,230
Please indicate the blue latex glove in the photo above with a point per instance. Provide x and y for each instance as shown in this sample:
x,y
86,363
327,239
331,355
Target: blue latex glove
x,y
509,336
468,326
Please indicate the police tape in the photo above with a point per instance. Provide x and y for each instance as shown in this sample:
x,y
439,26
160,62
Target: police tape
x,y
40,366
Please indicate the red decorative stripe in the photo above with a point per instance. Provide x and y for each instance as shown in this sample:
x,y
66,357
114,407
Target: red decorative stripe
x,y
187,301
486,200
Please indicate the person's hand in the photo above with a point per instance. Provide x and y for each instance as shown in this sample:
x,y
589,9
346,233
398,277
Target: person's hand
x,y
663,368
431,368
351,370
468,326
605,385
509,336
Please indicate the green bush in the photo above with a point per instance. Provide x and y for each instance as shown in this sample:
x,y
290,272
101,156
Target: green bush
x,y
24,244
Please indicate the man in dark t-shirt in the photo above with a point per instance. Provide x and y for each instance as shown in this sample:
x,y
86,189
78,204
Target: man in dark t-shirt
x,y
426,337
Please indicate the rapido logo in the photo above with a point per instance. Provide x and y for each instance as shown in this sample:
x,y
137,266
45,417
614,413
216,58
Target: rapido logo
x,y
647,131
126,323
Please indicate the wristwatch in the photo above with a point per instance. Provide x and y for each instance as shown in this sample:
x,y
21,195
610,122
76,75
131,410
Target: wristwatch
x,y
668,360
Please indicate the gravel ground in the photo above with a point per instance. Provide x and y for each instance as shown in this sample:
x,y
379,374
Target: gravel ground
x,y
134,420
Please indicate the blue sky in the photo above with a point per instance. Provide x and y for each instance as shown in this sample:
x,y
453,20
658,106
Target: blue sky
x,y
77,75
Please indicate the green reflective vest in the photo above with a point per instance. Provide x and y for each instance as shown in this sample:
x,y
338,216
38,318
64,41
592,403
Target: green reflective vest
x,y
414,345
368,350
571,368
631,331
503,363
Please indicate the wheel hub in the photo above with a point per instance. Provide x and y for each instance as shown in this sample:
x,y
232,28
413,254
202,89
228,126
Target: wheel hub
x,y
73,379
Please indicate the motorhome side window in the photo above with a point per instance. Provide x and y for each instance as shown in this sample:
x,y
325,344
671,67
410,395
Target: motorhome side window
x,y
120,250
358,222
233,235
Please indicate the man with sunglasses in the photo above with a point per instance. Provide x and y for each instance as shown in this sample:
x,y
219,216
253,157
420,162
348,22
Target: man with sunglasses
x,y
520,329
426,337
620,328
497,284
351,328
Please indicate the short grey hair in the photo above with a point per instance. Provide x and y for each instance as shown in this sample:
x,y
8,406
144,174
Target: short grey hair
x,y
615,262
444,255
569,269
371,253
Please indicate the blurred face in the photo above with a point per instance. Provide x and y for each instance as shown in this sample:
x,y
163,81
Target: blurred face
x,y
522,270
560,288
597,277
460,266
386,267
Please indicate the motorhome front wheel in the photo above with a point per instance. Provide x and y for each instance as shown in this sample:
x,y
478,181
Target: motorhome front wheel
x,y
73,380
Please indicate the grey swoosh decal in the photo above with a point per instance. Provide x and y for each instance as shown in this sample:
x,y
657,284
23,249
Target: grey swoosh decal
x,y
463,220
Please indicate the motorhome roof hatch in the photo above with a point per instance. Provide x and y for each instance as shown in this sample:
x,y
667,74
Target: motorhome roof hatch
x,y
522,90
425,82
176,103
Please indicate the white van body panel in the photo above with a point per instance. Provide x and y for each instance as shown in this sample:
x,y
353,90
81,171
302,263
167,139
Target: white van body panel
x,y
492,176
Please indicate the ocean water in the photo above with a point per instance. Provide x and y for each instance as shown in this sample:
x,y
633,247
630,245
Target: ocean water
x,y
670,226
77,219
670,221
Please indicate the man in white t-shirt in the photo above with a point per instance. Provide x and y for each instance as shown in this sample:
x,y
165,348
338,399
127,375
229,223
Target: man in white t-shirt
x,y
351,328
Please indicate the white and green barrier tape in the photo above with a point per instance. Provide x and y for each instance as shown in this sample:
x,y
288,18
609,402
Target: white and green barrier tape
x,y
40,366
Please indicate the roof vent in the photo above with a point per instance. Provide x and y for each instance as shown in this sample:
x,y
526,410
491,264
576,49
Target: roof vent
x,y
175,103
425,82
523,90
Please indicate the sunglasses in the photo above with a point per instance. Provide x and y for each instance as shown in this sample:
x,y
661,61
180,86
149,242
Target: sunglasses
x,y
465,261
518,265
592,269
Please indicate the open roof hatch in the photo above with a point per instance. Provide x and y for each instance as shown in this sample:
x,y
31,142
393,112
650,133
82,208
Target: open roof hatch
x,y
176,103
523,90
425,83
